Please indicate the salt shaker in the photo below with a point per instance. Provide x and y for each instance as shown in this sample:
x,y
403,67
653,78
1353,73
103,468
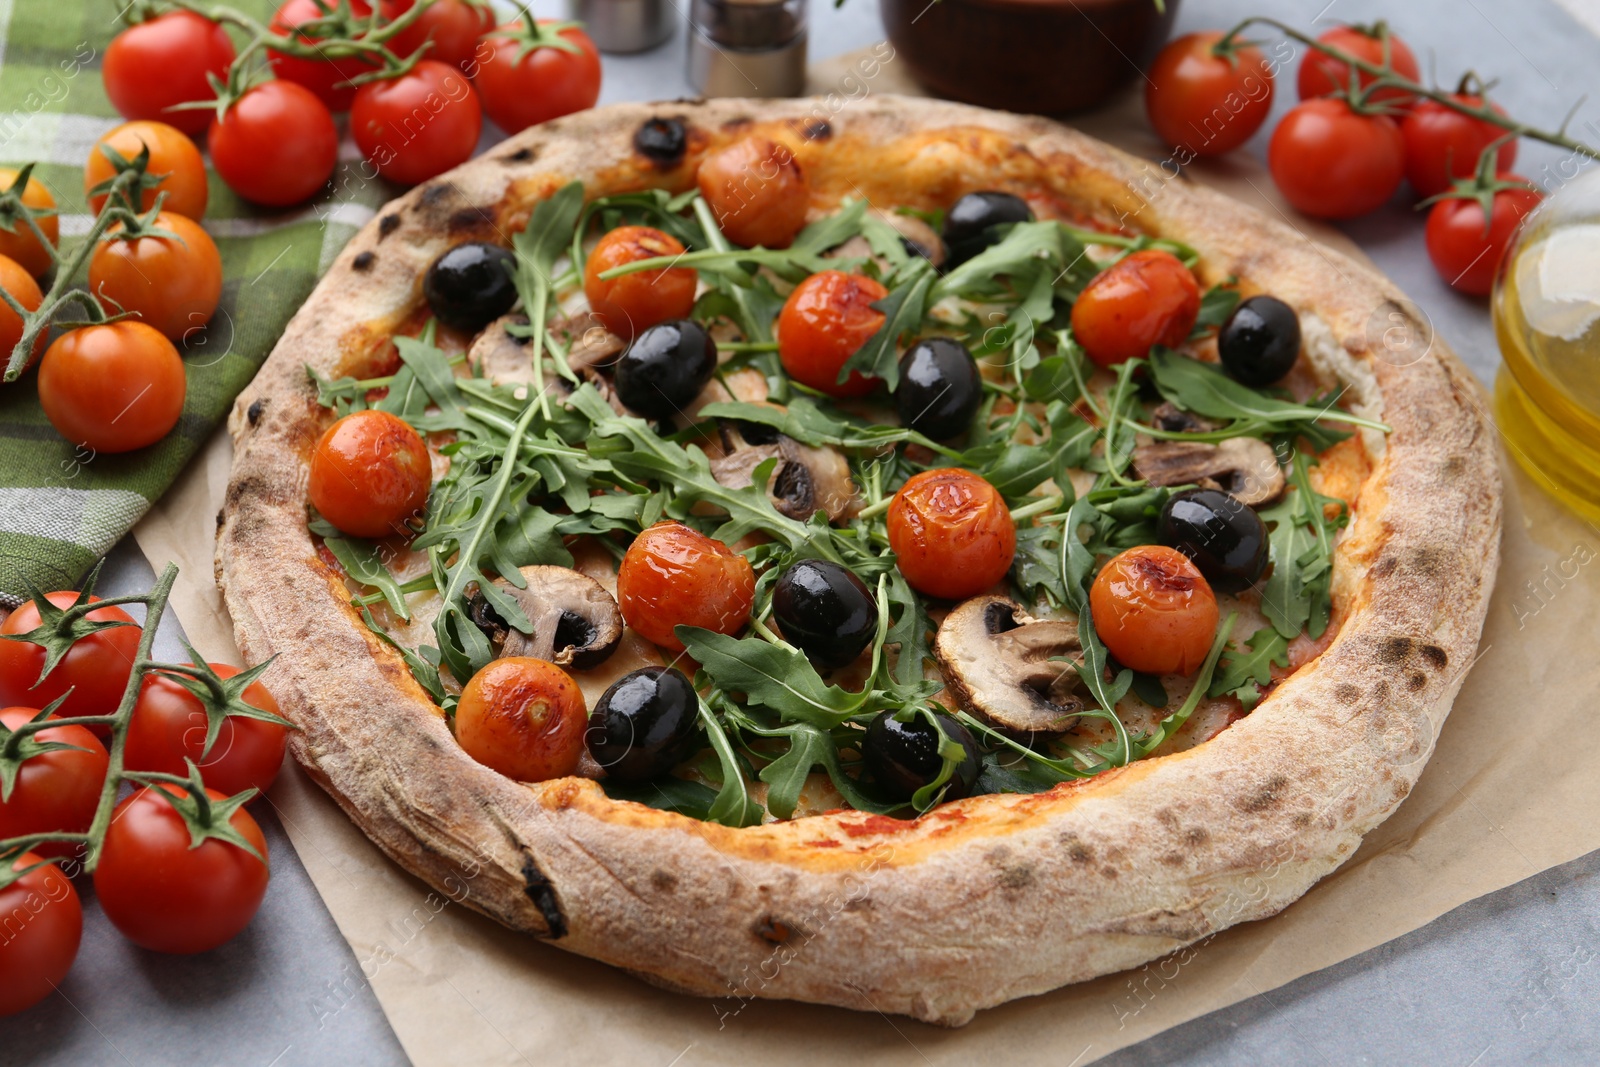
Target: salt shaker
x,y
747,47
622,26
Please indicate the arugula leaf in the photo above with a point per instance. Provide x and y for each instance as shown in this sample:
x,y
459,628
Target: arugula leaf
x,y
1003,772
1244,673
1298,592
733,805
1036,567
786,775
903,309
775,676
362,562
1015,470
1216,304
549,232
425,671
1202,682
1204,389
665,793
1021,251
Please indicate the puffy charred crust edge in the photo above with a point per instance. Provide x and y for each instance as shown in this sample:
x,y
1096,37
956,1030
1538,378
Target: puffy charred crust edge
x,y
1080,881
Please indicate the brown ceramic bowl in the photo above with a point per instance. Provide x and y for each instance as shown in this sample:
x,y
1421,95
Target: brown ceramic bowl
x,y
1043,56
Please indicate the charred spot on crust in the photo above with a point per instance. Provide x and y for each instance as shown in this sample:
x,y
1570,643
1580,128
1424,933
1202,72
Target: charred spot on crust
x,y
662,141
245,488
363,262
1395,649
820,130
1437,657
435,194
221,518
737,121
252,414
1345,693
521,155
1077,851
664,881
1197,837
387,225
1417,681
468,218
1019,876
772,931
543,895
1265,797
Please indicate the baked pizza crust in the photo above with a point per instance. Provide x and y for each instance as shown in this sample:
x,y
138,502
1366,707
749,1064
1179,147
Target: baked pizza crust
x,y
984,899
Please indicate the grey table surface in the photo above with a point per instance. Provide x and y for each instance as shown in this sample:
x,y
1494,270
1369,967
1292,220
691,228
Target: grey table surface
x,y
1508,978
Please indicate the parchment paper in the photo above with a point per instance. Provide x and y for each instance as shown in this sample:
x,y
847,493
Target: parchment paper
x,y
1509,791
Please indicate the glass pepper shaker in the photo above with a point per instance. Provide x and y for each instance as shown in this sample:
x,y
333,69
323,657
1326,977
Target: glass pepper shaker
x,y
747,47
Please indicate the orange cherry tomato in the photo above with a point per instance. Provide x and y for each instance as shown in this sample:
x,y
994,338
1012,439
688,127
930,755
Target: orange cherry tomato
x,y
370,472
169,726
636,302
524,718
757,191
113,387
1154,610
1147,298
20,244
173,158
20,284
825,320
174,283
952,532
674,576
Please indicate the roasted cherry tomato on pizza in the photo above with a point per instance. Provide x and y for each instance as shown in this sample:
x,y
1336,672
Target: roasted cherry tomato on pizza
x,y
528,78
175,167
952,533
524,718
19,243
167,894
173,283
1330,162
825,320
370,474
277,145
15,280
757,192
112,387
452,28
1443,145
1206,102
1144,299
384,124
56,790
95,668
164,61
169,726
326,78
1465,245
674,576
634,302
1154,610
38,950
1324,75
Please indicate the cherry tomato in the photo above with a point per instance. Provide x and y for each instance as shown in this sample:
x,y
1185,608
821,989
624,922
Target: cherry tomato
x,y
173,158
454,27
113,387
1465,247
1154,610
20,284
20,244
1322,75
324,77
164,61
524,718
1443,145
44,923
635,302
57,790
952,532
1204,102
1144,299
543,85
95,668
757,191
169,725
826,319
674,576
1330,162
419,125
166,896
370,472
173,283
277,145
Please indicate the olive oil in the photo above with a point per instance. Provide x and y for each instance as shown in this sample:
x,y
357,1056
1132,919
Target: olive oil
x,y
1547,318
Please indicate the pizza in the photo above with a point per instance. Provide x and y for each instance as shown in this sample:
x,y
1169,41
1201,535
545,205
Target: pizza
x,y
903,558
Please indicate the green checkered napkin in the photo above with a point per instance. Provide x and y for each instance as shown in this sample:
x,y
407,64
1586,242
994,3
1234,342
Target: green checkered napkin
x,y
61,510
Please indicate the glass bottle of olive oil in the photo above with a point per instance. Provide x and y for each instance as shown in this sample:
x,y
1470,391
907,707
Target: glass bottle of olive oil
x,y
1547,316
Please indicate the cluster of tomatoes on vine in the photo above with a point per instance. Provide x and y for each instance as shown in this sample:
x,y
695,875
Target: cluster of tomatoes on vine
x,y
1364,125
178,864
416,77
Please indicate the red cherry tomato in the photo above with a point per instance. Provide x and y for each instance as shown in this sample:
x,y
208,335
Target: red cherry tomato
x,y
1204,102
173,158
419,125
524,718
277,145
674,576
326,78
113,387
15,280
163,894
1443,145
164,61
169,726
95,668
635,302
174,283
1154,610
826,319
454,27
44,923
370,472
543,85
57,790
1144,299
952,532
20,244
1323,75
757,191
1332,163
1465,247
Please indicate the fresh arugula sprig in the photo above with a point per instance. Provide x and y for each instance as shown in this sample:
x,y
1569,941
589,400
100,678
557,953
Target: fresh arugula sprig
x,y
1298,593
